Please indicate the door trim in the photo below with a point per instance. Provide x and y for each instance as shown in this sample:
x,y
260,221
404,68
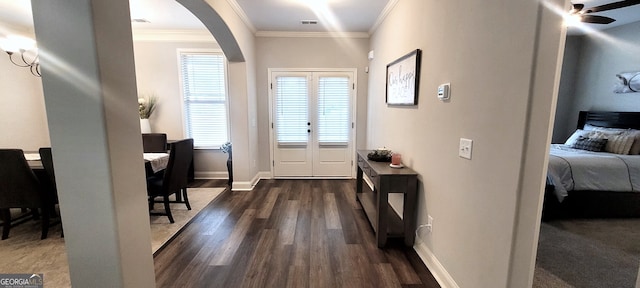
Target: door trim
x,y
354,109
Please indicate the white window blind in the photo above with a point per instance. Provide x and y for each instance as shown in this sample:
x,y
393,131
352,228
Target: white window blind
x,y
333,110
205,99
292,112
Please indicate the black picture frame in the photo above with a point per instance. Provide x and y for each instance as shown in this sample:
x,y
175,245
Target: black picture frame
x,y
403,78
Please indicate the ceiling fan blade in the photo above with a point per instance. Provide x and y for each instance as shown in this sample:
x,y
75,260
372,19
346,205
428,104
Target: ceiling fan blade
x,y
596,19
611,6
576,8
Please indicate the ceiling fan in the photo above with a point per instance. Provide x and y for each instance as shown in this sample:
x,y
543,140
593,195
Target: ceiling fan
x,y
583,14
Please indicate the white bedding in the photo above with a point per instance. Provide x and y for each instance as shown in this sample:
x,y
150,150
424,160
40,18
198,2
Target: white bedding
x,y
573,169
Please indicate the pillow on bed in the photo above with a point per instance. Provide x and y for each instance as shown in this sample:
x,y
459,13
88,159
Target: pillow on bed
x,y
635,147
590,144
577,134
619,142
616,143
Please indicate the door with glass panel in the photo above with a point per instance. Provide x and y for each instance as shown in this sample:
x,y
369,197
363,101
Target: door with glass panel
x,y
312,128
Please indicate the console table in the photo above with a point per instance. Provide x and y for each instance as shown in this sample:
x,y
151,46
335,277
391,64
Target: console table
x,y
385,222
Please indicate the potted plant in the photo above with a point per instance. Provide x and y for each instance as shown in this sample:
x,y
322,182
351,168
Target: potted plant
x,y
146,106
227,148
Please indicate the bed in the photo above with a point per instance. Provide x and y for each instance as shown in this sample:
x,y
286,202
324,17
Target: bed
x,y
604,182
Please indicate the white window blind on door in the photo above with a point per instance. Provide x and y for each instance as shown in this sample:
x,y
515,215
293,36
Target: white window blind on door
x,y
205,99
292,110
333,110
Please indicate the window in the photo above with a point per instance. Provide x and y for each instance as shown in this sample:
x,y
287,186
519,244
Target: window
x,y
291,110
205,98
333,110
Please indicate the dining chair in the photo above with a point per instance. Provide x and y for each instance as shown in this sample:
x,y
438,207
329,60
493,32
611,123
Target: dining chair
x,y
20,188
174,180
154,142
46,158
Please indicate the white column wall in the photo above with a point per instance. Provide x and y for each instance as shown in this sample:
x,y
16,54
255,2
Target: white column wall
x,y
90,96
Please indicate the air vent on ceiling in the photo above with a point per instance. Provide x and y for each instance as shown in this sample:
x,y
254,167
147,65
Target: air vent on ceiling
x,y
309,22
140,20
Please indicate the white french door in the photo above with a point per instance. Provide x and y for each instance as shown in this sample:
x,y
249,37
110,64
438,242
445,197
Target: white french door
x,y
312,123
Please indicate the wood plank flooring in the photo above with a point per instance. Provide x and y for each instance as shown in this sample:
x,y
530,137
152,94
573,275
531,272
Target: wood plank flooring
x,y
286,233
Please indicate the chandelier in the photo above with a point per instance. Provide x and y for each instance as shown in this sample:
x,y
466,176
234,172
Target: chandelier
x,y
22,52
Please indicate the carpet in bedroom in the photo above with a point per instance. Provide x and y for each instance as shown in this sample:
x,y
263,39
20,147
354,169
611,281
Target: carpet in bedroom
x,y
588,253
24,252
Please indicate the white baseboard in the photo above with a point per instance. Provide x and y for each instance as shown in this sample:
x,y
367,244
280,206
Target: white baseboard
x,y
211,175
265,175
248,186
435,267
241,186
428,258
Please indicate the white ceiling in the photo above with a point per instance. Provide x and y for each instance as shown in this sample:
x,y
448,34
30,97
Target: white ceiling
x,y
332,15
263,15
273,15
162,14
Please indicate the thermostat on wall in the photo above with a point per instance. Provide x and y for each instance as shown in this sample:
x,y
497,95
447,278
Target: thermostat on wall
x,y
443,92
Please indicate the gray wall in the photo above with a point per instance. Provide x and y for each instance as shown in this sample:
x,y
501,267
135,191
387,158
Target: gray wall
x,y
23,120
502,80
157,73
600,57
323,52
24,123
565,120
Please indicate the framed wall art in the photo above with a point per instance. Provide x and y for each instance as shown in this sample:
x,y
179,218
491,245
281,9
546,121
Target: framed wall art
x,y
627,82
403,76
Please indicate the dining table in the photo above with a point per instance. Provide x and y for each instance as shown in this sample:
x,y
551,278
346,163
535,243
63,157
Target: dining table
x,y
153,162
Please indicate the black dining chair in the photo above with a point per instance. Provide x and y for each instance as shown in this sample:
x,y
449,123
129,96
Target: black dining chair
x,y
154,142
174,180
20,188
46,157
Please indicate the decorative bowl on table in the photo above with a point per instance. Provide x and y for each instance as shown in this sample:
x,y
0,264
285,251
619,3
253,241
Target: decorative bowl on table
x,y
380,155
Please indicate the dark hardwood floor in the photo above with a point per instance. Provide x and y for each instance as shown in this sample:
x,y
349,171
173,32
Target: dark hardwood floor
x,y
286,233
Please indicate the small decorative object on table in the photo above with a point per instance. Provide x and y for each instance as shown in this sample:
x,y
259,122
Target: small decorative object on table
x,y
380,155
396,161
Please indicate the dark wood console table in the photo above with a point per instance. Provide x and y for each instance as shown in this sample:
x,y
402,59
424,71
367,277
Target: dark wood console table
x,y
385,222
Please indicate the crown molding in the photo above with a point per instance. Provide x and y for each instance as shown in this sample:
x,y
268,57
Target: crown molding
x,y
294,34
383,15
243,16
172,35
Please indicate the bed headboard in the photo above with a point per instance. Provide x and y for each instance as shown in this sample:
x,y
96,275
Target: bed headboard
x,y
609,119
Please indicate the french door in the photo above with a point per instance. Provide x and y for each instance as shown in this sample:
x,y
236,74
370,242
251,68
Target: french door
x,y
312,123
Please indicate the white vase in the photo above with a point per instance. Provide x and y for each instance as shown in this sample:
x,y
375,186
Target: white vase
x,y
145,127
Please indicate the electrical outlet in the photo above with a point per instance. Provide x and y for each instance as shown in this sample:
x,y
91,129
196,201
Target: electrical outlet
x,y
466,146
429,226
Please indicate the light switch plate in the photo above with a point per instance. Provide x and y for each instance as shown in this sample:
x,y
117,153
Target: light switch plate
x,y
443,92
466,146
